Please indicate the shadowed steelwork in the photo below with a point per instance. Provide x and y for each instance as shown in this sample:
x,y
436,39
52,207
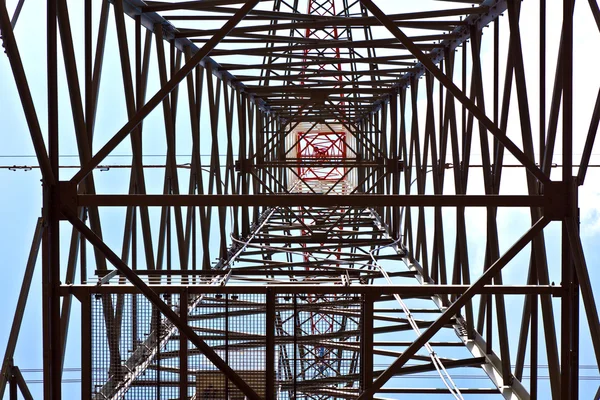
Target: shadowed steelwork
x,y
352,200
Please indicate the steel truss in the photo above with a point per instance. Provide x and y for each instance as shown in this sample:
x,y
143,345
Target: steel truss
x,y
218,288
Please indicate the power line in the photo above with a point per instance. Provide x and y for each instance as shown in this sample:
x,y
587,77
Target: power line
x,y
176,155
188,166
108,156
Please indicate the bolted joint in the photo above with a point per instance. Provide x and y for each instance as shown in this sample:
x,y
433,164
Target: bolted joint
x,y
67,192
318,96
243,166
561,200
318,237
394,165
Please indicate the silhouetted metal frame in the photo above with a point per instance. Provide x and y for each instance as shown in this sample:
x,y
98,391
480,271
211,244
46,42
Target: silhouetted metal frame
x,y
265,113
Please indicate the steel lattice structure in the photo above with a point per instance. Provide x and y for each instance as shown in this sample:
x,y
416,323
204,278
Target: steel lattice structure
x,y
328,218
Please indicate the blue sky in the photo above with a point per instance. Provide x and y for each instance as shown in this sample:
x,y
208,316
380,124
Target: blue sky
x,y
21,199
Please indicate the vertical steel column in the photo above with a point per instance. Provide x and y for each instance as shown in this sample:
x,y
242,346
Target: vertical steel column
x,y
295,318
227,342
183,346
89,72
51,240
86,347
270,346
367,342
12,382
533,371
21,304
570,300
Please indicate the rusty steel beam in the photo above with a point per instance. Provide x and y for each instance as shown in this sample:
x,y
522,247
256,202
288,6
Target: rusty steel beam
x,y
300,244
455,307
163,92
165,309
21,304
293,200
425,290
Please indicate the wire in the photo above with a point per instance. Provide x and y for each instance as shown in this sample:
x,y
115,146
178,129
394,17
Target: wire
x,y
107,167
184,155
435,359
437,363
108,156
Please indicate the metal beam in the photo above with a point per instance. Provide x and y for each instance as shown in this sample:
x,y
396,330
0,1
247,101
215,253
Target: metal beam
x,y
21,303
163,92
314,200
455,307
456,92
424,290
161,305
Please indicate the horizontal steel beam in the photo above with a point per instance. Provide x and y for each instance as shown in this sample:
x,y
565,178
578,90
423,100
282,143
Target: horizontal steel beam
x,y
424,290
308,163
134,8
296,200
260,272
163,307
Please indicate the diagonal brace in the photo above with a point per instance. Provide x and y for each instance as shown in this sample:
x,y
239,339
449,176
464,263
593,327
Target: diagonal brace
x,y
21,304
164,92
451,311
586,286
155,299
12,51
455,91
20,380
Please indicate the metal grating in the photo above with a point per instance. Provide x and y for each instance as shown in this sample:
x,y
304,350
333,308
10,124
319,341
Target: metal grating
x,y
140,364
317,339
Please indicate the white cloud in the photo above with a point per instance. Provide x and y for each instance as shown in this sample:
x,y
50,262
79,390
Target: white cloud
x,y
589,203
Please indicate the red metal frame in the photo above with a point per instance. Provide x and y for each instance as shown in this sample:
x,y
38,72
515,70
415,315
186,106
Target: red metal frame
x,y
320,323
322,145
323,8
313,146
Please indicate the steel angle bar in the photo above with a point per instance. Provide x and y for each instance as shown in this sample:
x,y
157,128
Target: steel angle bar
x,y
12,51
165,309
585,285
456,92
453,309
294,200
589,142
17,12
163,92
424,290
21,303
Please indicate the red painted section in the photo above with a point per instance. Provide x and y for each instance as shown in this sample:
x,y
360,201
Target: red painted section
x,y
326,146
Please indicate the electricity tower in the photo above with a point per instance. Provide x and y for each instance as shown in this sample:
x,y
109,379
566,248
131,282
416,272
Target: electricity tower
x,y
321,199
